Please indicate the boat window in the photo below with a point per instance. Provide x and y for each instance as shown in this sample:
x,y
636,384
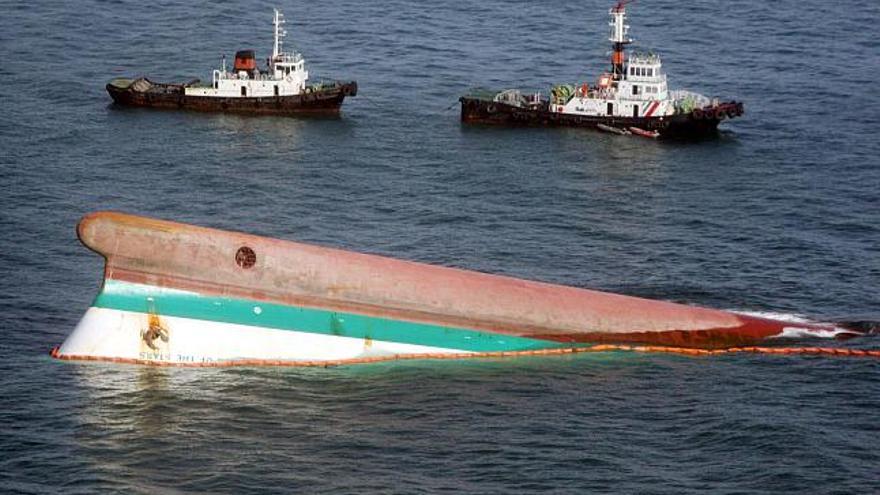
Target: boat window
x,y
216,84
635,89
244,91
650,72
293,69
610,108
279,68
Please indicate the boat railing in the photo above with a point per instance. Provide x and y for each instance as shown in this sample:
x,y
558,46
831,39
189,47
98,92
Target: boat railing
x,y
323,84
262,76
288,57
644,58
511,97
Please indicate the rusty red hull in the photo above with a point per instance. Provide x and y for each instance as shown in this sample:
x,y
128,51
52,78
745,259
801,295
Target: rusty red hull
x,y
172,96
165,254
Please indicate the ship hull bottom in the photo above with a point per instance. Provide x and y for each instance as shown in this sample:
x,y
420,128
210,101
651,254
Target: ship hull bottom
x,y
683,126
320,102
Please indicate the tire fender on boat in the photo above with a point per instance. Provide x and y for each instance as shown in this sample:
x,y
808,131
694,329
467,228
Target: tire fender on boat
x,y
697,113
491,108
720,114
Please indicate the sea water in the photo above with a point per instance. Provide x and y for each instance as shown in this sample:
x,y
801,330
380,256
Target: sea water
x,y
779,214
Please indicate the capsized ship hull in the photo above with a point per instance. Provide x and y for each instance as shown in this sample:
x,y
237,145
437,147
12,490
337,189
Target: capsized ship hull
x,y
145,93
180,294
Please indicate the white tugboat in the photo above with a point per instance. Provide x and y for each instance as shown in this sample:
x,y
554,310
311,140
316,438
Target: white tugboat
x,y
633,98
281,88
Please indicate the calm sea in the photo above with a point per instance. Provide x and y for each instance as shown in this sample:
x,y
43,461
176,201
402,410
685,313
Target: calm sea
x,y
778,215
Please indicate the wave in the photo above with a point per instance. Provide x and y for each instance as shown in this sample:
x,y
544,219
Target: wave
x,y
839,329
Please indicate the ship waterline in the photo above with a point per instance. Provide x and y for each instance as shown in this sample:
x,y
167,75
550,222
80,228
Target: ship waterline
x,y
147,323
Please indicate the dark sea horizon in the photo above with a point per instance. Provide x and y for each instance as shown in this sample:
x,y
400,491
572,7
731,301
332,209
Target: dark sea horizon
x,y
780,215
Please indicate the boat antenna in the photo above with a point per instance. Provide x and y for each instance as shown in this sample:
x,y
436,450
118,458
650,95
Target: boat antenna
x,y
618,38
278,21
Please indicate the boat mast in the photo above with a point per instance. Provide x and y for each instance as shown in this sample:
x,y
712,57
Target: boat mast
x,y
619,38
278,21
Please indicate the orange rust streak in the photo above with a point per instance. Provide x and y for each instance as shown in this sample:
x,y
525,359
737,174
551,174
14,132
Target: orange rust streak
x,y
751,331
826,351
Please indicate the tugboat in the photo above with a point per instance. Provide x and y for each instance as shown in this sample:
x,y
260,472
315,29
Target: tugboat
x,y
281,89
632,98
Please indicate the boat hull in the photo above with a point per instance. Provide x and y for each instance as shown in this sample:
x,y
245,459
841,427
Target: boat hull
x,y
119,335
171,96
176,294
691,125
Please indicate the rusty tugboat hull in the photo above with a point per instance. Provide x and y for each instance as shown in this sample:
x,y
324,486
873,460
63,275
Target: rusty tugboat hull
x,y
322,100
699,123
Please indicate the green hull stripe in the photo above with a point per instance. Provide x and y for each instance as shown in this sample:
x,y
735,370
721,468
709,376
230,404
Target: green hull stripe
x,y
164,302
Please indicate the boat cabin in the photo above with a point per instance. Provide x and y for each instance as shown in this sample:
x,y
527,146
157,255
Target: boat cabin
x,y
285,74
643,78
642,82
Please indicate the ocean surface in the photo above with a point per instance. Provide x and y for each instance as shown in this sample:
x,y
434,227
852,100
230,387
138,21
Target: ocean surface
x,y
778,215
